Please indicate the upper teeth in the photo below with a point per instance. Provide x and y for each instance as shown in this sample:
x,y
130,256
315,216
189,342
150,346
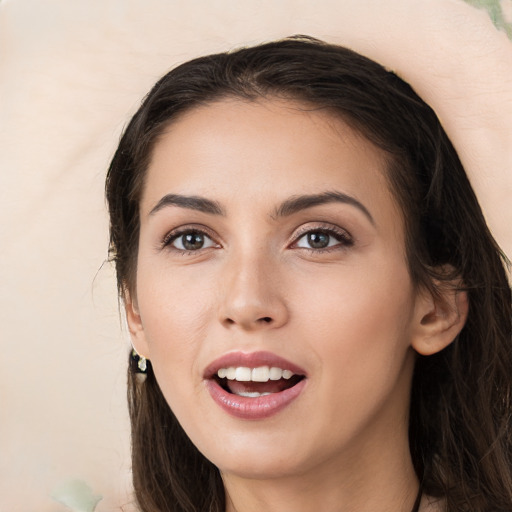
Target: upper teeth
x,y
260,374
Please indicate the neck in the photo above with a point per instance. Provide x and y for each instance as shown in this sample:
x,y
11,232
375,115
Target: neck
x,y
363,483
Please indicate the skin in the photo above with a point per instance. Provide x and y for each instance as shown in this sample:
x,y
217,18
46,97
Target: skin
x,y
350,316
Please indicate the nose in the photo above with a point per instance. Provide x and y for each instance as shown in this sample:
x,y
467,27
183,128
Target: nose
x,y
252,295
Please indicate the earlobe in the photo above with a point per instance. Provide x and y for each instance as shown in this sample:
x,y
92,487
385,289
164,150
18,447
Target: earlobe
x,y
135,326
439,319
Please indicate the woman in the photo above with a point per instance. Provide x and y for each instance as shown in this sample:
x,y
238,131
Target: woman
x,y
321,314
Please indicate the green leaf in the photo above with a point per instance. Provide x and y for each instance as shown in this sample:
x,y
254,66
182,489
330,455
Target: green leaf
x,y
495,10
76,495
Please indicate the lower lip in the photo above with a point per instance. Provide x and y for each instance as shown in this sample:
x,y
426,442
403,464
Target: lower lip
x,y
253,408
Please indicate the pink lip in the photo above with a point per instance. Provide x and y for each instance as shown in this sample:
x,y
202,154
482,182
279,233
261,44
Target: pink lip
x,y
252,408
251,360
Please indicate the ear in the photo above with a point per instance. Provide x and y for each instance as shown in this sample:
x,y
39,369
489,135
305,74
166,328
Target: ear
x,y
439,318
135,327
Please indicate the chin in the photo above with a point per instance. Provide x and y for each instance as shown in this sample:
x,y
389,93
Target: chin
x,y
257,469
254,457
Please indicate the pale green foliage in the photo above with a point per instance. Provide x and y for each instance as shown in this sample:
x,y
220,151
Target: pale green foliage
x,y
76,495
495,10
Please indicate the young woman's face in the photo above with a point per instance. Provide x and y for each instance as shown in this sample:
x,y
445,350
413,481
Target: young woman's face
x,y
270,240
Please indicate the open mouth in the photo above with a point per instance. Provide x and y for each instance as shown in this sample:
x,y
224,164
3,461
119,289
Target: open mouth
x,y
256,382
254,385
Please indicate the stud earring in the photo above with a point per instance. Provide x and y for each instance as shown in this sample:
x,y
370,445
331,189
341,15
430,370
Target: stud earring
x,y
141,361
142,364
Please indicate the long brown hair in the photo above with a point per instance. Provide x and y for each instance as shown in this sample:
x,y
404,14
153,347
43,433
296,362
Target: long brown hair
x,y
461,405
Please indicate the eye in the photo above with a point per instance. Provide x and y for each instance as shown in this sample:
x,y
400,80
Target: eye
x,y
321,238
191,240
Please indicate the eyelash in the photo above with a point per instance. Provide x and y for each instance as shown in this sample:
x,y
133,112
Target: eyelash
x,y
343,237
176,234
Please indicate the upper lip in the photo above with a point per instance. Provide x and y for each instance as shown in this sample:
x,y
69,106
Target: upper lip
x,y
250,360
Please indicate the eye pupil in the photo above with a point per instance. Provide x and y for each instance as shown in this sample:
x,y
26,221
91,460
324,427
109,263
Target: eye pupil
x,y
193,241
318,240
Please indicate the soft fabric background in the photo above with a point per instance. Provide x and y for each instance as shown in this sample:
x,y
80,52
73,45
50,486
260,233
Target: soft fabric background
x,y
71,72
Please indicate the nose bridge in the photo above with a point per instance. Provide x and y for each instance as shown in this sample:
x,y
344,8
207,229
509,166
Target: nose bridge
x,y
251,295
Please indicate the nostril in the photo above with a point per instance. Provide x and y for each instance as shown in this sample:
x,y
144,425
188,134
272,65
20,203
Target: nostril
x,y
248,323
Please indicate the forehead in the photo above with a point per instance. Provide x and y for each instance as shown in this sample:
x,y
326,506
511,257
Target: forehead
x,y
275,148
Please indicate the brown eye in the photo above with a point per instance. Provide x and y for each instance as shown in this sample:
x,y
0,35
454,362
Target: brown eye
x,y
191,241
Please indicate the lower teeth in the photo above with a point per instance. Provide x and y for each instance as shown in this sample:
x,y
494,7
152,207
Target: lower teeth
x,y
251,394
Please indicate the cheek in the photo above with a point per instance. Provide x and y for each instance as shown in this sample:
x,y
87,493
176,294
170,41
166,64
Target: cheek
x,y
175,313
362,294
358,325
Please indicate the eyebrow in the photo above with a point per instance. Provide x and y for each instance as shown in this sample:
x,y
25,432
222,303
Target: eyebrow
x,y
287,208
302,202
200,204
